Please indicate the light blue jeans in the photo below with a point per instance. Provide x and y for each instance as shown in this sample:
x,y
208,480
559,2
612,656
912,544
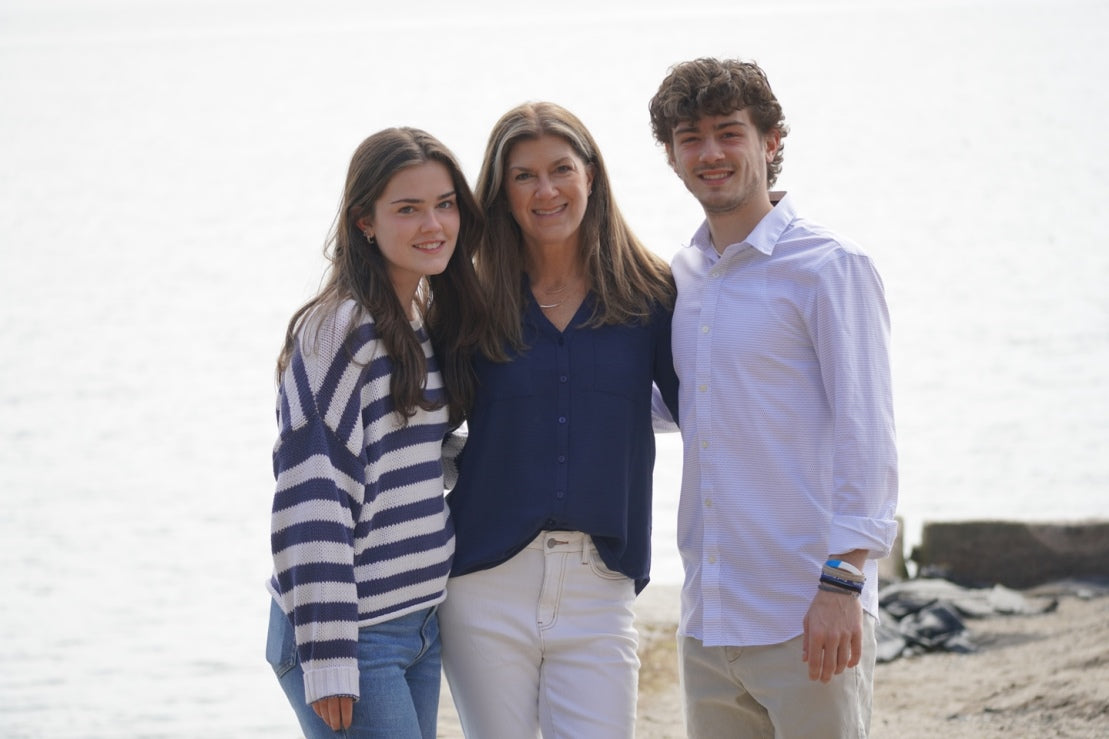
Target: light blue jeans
x,y
398,673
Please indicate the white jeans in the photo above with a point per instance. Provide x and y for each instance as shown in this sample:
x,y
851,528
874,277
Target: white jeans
x,y
544,642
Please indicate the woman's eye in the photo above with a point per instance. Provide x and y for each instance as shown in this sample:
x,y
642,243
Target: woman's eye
x,y
446,205
521,176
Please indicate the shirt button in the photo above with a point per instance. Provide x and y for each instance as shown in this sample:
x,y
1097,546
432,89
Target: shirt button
x,y
563,378
708,502
702,387
704,445
704,329
562,419
560,494
716,274
712,559
561,458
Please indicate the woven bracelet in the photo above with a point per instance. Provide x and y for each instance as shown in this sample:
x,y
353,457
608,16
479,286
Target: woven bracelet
x,y
838,591
854,587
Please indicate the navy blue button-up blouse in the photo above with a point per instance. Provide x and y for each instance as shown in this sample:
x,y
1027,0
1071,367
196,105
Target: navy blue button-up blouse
x,y
560,437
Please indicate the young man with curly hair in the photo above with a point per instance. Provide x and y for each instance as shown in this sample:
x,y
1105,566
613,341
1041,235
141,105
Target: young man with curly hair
x,y
789,484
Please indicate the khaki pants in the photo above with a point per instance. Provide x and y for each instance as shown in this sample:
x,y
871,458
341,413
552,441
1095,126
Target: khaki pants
x,y
766,692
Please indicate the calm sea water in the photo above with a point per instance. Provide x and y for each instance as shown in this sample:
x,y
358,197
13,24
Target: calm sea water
x,y
171,170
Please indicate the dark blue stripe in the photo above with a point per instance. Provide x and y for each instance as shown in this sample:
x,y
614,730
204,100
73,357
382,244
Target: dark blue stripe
x,y
404,547
298,446
317,439
315,572
352,411
334,649
399,515
381,366
342,359
317,489
403,579
411,474
377,409
364,334
325,613
305,532
406,436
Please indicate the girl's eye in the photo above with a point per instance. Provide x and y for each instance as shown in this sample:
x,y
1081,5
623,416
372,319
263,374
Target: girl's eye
x,y
405,209
447,205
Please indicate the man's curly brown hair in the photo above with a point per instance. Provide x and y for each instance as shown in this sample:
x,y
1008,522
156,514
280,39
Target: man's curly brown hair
x,y
706,86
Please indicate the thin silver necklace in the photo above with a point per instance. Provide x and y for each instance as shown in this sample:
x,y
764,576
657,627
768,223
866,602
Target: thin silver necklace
x,y
552,292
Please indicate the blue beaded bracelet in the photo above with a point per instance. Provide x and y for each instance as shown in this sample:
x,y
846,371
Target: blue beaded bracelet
x,y
855,587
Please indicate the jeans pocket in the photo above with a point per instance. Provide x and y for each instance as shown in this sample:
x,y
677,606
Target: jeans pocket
x,y
600,569
281,648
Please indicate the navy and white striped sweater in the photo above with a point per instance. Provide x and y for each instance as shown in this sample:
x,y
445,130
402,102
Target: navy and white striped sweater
x,y
360,531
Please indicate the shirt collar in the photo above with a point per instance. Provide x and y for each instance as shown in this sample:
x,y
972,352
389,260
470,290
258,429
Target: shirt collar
x,y
765,235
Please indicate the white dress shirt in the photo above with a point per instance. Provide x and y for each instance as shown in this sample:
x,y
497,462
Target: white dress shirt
x,y
781,346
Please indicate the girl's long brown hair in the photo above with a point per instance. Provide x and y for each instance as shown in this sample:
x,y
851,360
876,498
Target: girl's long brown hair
x,y
451,302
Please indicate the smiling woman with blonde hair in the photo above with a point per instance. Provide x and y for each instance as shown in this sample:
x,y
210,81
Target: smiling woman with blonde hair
x,y
552,507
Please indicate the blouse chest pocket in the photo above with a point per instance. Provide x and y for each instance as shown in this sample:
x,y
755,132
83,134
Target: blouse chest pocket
x,y
622,360
505,380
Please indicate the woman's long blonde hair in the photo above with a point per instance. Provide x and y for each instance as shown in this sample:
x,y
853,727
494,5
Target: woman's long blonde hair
x,y
628,280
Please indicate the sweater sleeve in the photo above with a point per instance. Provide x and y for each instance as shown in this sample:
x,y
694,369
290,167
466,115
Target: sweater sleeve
x,y
319,464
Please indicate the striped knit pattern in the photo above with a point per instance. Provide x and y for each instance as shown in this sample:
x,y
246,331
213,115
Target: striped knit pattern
x,y
360,531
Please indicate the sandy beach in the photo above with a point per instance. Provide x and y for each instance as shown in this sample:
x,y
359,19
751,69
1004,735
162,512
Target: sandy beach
x,y
1043,675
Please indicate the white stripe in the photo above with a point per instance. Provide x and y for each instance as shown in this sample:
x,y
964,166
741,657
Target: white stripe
x,y
309,510
311,553
319,467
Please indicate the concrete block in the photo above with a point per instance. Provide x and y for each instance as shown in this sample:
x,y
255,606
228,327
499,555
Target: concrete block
x,y
1014,554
